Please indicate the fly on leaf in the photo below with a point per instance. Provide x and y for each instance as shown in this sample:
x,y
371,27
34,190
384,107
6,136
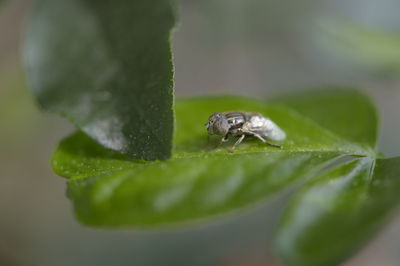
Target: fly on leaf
x,y
242,124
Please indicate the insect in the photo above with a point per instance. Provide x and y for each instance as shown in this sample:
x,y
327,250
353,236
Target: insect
x,y
242,124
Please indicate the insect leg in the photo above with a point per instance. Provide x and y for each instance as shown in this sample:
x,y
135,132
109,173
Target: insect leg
x,y
263,140
238,141
224,139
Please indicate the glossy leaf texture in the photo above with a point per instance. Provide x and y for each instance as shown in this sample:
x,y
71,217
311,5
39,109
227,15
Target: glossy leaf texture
x,y
335,213
107,67
199,181
332,210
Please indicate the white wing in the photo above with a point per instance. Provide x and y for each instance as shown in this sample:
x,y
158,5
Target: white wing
x,y
267,128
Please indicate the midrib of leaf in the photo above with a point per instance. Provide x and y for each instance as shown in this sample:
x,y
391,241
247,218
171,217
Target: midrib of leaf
x,y
371,172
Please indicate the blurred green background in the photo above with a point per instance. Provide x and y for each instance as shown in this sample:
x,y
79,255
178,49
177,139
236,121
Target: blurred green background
x,y
253,47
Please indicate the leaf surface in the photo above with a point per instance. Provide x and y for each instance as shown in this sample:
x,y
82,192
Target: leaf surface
x,y
107,67
348,113
335,213
333,209
199,181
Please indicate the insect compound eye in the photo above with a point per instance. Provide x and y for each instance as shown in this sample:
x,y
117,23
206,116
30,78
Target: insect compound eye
x,y
217,124
221,126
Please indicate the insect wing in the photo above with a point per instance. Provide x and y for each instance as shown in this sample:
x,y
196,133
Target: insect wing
x,y
266,128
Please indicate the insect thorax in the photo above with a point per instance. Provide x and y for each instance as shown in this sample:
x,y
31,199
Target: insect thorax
x,y
235,119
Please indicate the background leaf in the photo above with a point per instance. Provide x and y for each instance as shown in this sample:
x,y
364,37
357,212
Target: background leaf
x,y
372,48
199,181
107,67
336,212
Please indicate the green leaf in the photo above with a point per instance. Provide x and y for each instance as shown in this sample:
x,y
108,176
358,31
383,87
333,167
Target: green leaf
x,y
335,213
112,190
346,112
187,188
106,66
332,211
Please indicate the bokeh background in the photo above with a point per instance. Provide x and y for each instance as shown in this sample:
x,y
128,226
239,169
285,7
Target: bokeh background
x,y
253,47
